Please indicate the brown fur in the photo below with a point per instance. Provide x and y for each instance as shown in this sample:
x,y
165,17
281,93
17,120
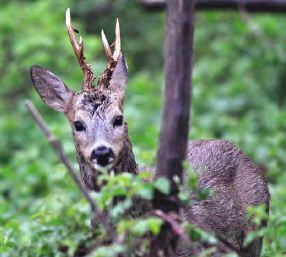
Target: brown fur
x,y
237,183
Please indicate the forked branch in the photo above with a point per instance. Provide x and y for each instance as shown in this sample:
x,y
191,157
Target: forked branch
x,y
78,50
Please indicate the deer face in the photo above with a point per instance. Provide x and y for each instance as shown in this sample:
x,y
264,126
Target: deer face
x,y
98,127
95,114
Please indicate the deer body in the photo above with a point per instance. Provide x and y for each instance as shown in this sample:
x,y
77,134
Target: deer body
x,y
101,141
237,183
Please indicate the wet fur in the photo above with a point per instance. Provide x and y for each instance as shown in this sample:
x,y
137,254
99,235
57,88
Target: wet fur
x,y
97,103
237,183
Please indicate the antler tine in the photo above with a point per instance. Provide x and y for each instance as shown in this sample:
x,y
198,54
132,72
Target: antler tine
x,y
78,49
117,42
112,58
106,46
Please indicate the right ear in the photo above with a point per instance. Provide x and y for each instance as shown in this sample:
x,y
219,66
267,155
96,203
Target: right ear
x,y
51,89
119,76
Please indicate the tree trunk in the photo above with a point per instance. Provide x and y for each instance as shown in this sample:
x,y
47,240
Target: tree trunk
x,y
175,123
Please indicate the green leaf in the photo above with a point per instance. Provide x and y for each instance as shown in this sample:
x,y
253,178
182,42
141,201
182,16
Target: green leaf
x,y
155,225
120,208
162,184
107,251
141,227
146,192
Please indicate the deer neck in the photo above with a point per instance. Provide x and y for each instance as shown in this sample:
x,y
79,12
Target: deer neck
x,y
125,163
126,160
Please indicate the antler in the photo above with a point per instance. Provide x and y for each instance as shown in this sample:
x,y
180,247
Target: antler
x,y
78,49
112,58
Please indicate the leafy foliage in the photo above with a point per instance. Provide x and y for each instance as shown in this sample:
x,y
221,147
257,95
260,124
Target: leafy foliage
x,y
238,94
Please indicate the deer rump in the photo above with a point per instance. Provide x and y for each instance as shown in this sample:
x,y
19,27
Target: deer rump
x,y
236,183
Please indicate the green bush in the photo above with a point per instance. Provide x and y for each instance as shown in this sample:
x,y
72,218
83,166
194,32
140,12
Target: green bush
x,y
238,94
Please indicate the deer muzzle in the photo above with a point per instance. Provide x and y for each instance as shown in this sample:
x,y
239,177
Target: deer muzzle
x,y
102,156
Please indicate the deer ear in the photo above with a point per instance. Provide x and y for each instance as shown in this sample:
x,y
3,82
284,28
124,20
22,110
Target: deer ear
x,y
51,89
119,76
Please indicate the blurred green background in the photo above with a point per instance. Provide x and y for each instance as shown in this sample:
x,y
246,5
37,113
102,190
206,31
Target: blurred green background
x,y
239,94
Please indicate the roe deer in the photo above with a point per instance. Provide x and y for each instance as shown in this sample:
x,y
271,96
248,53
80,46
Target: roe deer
x,y
101,141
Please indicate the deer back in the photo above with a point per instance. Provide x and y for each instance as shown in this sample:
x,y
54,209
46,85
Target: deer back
x,y
236,183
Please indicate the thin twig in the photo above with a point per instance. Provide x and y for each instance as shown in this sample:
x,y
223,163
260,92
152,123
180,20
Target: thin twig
x,y
229,245
175,225
178,230
172,220
257,32
57,147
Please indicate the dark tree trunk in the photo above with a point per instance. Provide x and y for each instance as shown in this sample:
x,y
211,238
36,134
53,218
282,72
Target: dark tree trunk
x,y
177,98
276,6
175,124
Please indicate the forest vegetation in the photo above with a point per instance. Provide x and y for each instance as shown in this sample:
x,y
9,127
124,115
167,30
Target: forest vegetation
x,y
239,94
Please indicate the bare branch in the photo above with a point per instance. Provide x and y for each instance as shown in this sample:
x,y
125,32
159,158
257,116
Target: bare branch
x,y
172,219
177,229
275,6
57,147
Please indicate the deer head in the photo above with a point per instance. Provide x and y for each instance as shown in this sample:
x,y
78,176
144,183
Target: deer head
x,y
96,112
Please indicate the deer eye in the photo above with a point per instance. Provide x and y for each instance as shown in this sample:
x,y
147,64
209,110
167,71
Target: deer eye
x,y
78,126
118,121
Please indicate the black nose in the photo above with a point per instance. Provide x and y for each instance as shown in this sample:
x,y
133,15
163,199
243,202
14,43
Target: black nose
x,y
102,155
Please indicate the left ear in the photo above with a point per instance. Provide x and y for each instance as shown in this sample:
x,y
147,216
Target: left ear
x,y
118,81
